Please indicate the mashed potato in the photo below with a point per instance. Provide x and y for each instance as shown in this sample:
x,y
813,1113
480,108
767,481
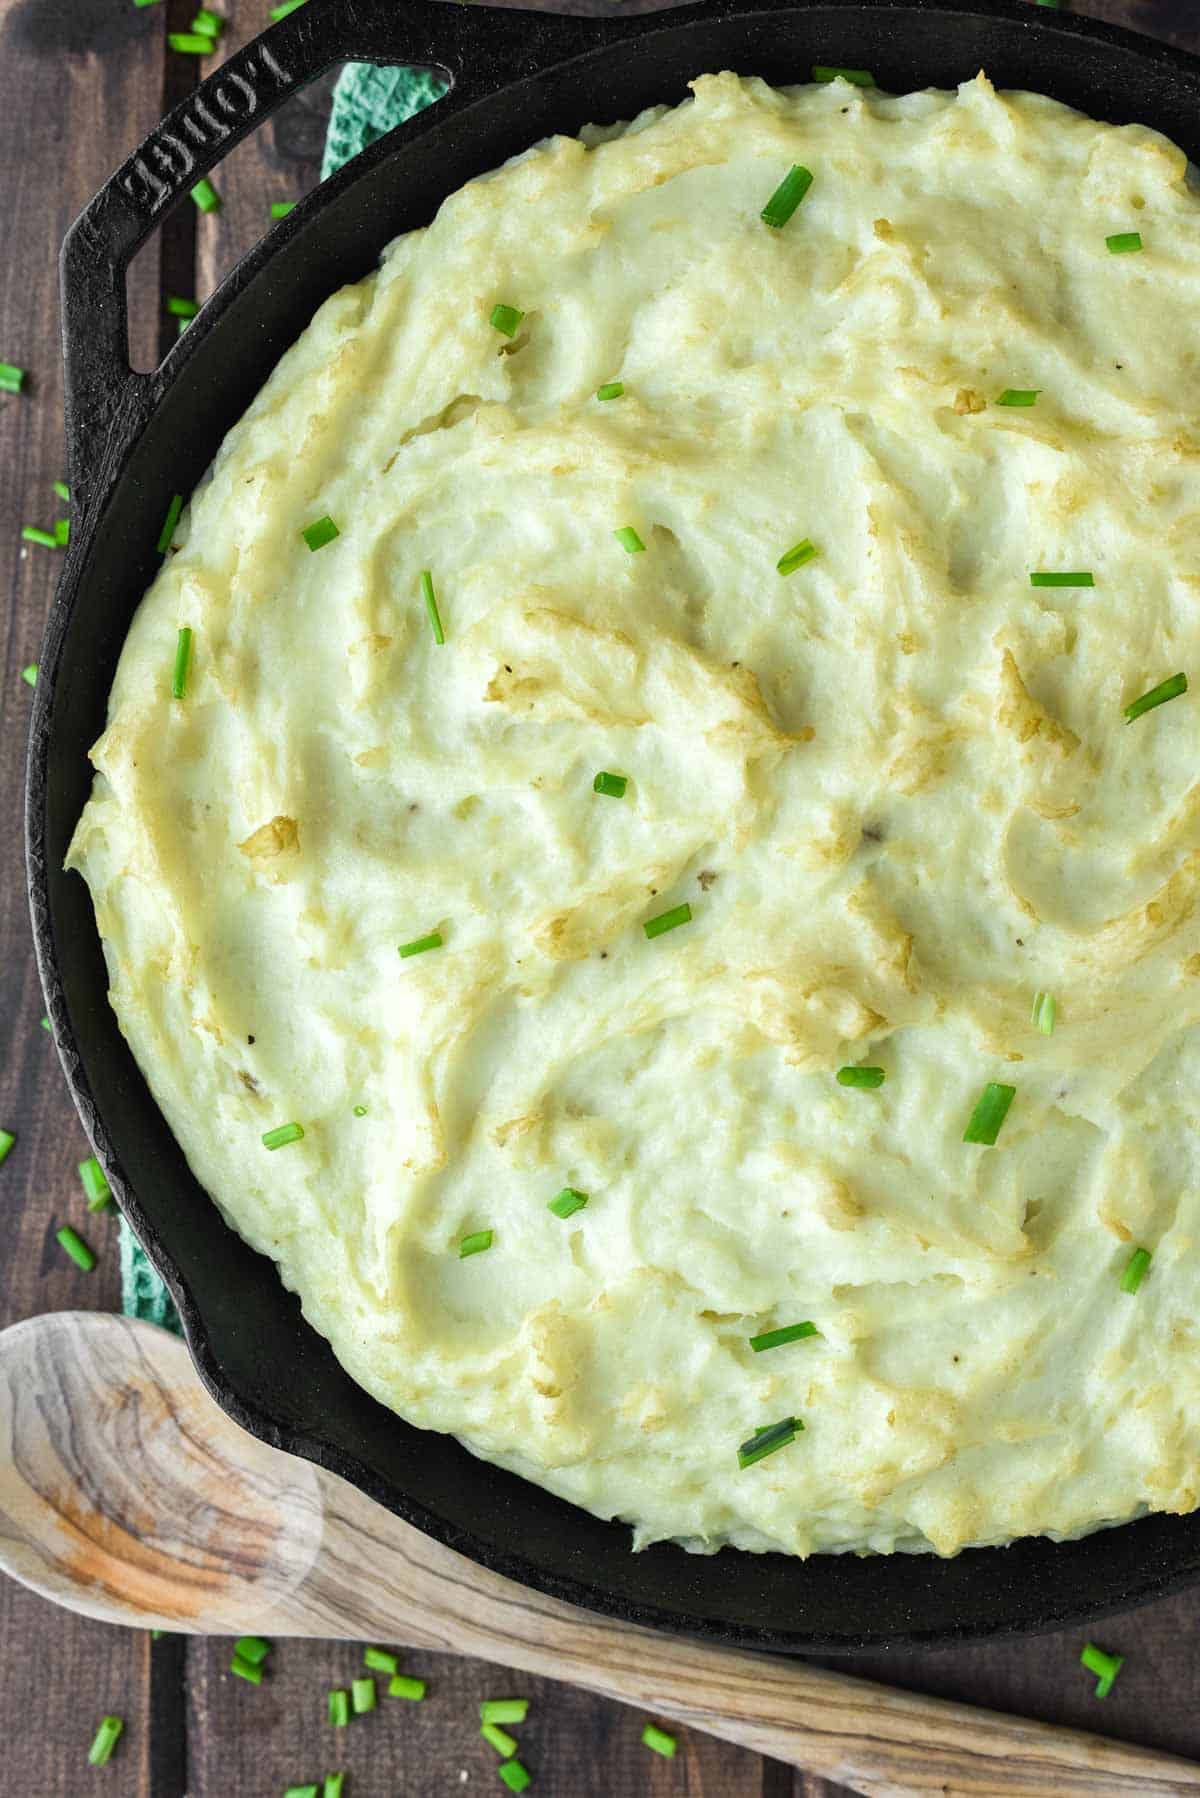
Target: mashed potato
x,y
895,788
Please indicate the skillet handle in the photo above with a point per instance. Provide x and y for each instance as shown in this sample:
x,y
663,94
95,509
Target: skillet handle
x,y
477,50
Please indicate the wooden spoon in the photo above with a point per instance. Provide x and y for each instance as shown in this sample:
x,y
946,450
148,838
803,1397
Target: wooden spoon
x,y
128,1495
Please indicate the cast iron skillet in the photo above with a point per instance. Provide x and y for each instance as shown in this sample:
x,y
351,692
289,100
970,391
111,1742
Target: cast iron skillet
x,y
137,439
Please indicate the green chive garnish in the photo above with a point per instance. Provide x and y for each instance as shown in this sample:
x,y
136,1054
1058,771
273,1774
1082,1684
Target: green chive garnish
x,y
98,1191
1044,579
431,606
1167,689
62,490
990,1111
286,6
568,1202
613,785
169,523
856,77
362,1696
7,1139
611,390
420,944
250,1671
1135,1271
505,319
320,532
1045,1011
12,378
33,533
659,1740
208,22
45,1023
865,1077
206,196
183,656
796,557
381,1660
474,1244
339,1707
765,1441
332,1788
1104,1666
401,1686
360,1111
514,1775
503,1710
62,532
498,1738
302,1792
1019,396
190,43
787,196
1123,242
254,1649
104,1741
29,675
776,1338
76,1248
281,208
282,1135
668,920
628,538
181,308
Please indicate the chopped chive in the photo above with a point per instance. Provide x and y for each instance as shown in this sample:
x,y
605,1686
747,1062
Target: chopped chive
x,y
787,196
991,1109
1044,579
431,606
181,308
339,1707
1019,396
765,1441
45,1023
32,533
1104,1666
505,319
1054,3
796,557
98,1191
250,1671
29,675
864,1077
12,378
856,77
1135,1271
7,1139
1167,689
104,1741
206,196
420,944
612,785
62,532
611,390
191,43
401,1686
156,1635
76,1248
286,6
183,657
1123,242
332,1787
668,920
475,1244
281,208
362,1696
503,1710
380,1660
1045,1011
282,1135
568,1202
252,1648
320,532
169,523
209,22
360,1111
514,1775
302,1792
62,490
776,1338
628,538
498,1738
145,2
659,1740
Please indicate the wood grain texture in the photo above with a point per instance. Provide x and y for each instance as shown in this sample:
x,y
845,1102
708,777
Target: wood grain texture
x,y
80,81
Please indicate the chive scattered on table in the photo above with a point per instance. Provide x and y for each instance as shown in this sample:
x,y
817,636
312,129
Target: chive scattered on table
x,y
208,22
1135,1270
787,196
381,1660
868,1078
402,1686
776,1338
191,43
612,785
333,1785
767,1440
62,490
284,8
503,1710
506,319
254,1649
105,1740
475,1243
178,307
7,1139
1124,243
206,196
668,920
659,1741
12,378
320,532
611,390
499,1739
362,1696
29,675
33,533
629,540
515,1776
45,1023
421,944
281,1135
796,557
62,532
1047,578
1167,689
339,1707
302,1792
169,523
250,1671
1104,1666
98,1191
568,1202
76,1248
183,658
991,1109
431,606
281,208
856,77
1019,396
1045,1012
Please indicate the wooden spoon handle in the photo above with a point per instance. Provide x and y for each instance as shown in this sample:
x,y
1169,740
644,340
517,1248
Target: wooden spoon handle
x,y
128,1495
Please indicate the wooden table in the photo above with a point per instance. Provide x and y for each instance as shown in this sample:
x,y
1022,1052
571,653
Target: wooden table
x,y
80,82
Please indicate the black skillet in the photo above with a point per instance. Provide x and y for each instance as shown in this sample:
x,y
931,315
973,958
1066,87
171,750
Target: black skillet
x,y
136,439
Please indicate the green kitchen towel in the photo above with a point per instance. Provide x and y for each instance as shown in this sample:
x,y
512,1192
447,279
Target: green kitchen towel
x,y
367,101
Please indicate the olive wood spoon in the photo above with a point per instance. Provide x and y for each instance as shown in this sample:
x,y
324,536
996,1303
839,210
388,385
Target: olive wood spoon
x,y
126,1494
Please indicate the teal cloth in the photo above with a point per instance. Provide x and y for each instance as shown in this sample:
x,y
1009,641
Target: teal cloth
x,y
367,101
